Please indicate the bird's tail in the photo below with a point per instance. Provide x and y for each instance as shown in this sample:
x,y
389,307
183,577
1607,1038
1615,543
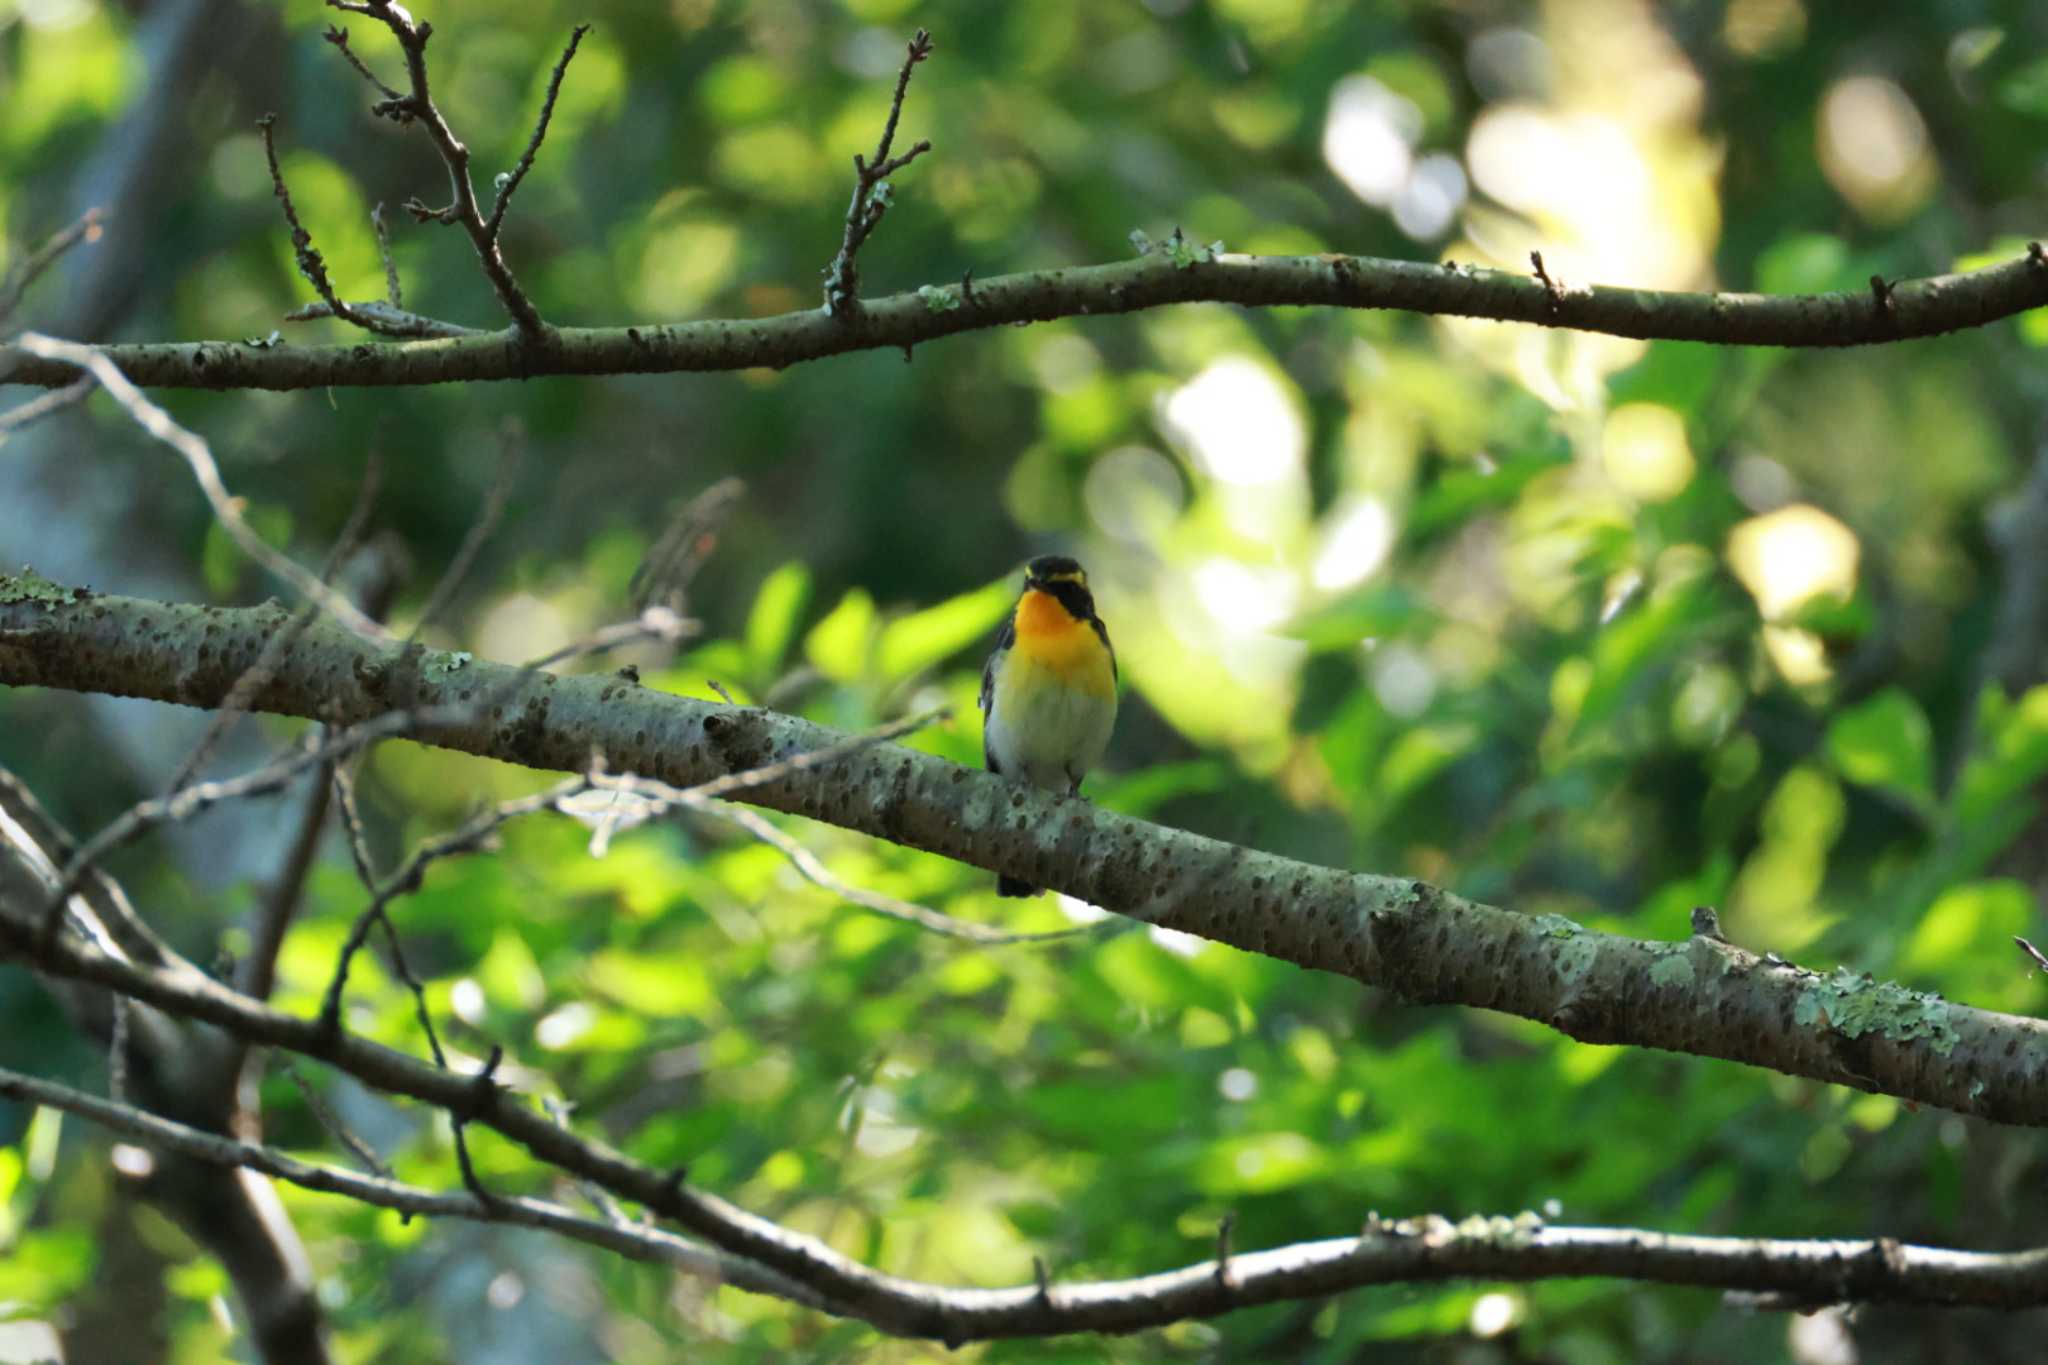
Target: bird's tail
x,y
1011,886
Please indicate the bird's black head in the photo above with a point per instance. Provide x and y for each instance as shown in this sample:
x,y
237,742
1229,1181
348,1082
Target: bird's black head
x,y
1047,570
1060,577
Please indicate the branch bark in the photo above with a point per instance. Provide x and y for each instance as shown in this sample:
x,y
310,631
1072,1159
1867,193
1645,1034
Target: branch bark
x,y
1918,308
1701,996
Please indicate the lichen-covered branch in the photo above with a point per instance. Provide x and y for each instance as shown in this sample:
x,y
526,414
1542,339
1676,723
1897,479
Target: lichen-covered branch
x,y
1700,996
1918,308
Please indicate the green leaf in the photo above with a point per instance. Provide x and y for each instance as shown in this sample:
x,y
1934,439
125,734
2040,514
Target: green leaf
x,y
1886,742
1805,263
222,563
838,645
1370,614
2025,91
914,643
772,622
1975,920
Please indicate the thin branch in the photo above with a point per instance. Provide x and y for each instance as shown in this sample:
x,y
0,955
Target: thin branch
x,y
31,267
509,184
1924,308
42,405
394,294
511,439
252,681
871,190
471,836
226,508
813,870
339,38
665,573
653,623
189,801
391,321
258,975
365,1155
639,1242
311,264
462,208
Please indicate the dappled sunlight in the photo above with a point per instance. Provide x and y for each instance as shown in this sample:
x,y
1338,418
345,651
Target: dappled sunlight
x,y
1370,137
1611,180
1644,450
1873,148
1238,423
1356,539
1788,557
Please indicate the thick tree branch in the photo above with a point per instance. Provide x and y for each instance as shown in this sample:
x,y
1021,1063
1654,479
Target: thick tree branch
x,y
1701,996
1921,308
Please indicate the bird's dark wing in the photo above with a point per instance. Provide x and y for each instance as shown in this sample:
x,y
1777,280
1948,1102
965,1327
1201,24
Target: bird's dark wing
x,y
988,670
1103,632
988,687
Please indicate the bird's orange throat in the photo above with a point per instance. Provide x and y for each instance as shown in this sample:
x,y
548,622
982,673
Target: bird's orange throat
x,y
1055,640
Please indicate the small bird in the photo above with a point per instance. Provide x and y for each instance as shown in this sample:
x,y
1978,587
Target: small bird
x,y
1048,692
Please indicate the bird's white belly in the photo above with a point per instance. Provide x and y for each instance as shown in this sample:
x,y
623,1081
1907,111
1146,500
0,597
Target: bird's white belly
x,y
1045,732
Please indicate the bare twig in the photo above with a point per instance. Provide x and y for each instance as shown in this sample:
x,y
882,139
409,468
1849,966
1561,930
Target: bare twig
x,y
189,801
391,322
813,870
394,294
639,1242
339,38
2033,954
311,264
365,1155
42,405
32,266
226,509
462,208
653,623
509,184
871,190
117,1049
258,976
511,439
407,879
664,575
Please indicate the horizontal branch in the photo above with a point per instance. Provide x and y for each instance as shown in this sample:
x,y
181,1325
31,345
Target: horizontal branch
x,y
1701,996
1897,312
1430,1249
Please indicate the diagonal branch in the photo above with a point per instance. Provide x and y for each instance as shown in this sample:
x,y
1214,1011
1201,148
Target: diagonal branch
x,y
509,184
462,209
871,190
1699,996
226,509
311,264
637,1241
32,266
1921,308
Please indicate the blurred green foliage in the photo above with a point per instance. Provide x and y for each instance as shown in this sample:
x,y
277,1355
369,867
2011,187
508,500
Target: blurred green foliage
x,y
1579,625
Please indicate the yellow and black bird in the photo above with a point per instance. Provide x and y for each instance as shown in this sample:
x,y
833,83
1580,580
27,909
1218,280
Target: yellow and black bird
x,y
1048,692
